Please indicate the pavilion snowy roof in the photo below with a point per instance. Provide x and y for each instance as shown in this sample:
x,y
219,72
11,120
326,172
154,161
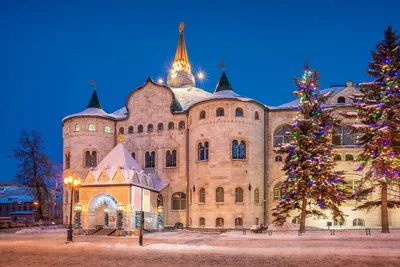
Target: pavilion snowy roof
x,y
120,160
119,156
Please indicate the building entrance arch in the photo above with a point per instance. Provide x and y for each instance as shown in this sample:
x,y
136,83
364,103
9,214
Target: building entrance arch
x,y
102,211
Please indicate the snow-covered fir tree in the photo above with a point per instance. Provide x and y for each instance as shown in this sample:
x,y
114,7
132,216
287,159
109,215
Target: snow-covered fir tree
x,y
378,108
312,186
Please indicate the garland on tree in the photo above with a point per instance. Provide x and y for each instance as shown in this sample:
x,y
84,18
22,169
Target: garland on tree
x,y
378,107
311,185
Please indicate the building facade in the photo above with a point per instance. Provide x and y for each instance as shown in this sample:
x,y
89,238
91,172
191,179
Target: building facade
x,y
206,160
19,207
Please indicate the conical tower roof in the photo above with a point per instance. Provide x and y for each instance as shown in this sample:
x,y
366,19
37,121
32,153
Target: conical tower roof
x,y
181,51
223,84
94,101
180,74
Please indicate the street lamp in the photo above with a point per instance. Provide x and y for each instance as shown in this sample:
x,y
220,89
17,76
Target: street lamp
x,y
73,184
78,209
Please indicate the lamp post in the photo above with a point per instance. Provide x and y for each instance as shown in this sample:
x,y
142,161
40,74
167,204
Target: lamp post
x,y
73,184
141,221
78,209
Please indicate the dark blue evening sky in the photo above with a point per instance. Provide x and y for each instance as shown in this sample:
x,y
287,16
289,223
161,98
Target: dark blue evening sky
x,y
50,50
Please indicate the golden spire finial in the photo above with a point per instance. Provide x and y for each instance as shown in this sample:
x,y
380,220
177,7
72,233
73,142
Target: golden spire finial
x,y
181,27
120,138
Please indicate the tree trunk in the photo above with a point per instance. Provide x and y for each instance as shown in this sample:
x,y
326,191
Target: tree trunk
x,y
303,215
384,209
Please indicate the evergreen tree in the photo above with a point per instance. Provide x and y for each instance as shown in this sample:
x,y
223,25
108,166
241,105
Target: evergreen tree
x,y
35,170
378,108
312,186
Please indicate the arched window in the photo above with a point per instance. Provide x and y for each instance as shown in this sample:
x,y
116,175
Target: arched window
x,y
179,201
170,125
91,127
205,150
150,128
94,158
337,157
349,157
200,151
121,130
278,192
190,196
66,130
160,127
219,222
25,208
220,112
107,129
140,128
341,100
358,222
239,112
219,195
160,202
282,135
190,221
77,127
130,130
238,149
256,116
170,157
202,196
133,154
341,136
238,222
67,160
278,158
202,115
88,159
238,195
150,159
256,196
181,125
202,221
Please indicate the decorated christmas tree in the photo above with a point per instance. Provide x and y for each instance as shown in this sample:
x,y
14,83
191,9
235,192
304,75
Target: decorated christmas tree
x,y
378,108
312,186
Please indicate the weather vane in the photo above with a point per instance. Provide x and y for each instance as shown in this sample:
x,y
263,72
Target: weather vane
x,y
93,83
181,27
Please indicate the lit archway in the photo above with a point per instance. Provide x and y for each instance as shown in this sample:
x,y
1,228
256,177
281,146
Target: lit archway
x,y
99,207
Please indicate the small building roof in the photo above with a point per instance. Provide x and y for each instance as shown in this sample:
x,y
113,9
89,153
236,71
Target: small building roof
x,y
223,84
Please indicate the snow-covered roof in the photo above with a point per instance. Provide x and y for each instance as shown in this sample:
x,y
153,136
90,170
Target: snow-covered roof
x,y
120,160
188,95
119,156
295,103
92,112
14,193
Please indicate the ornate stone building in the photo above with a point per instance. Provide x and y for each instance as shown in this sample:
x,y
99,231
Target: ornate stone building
x,y
203,160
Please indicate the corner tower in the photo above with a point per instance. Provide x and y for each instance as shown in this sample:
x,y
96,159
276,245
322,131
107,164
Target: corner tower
x,y
181,74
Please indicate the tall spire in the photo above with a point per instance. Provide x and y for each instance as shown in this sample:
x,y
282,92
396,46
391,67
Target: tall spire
x,y
181,73
94,101
223,84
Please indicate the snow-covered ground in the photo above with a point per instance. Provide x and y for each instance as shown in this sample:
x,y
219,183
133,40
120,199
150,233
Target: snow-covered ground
x,y
47,247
